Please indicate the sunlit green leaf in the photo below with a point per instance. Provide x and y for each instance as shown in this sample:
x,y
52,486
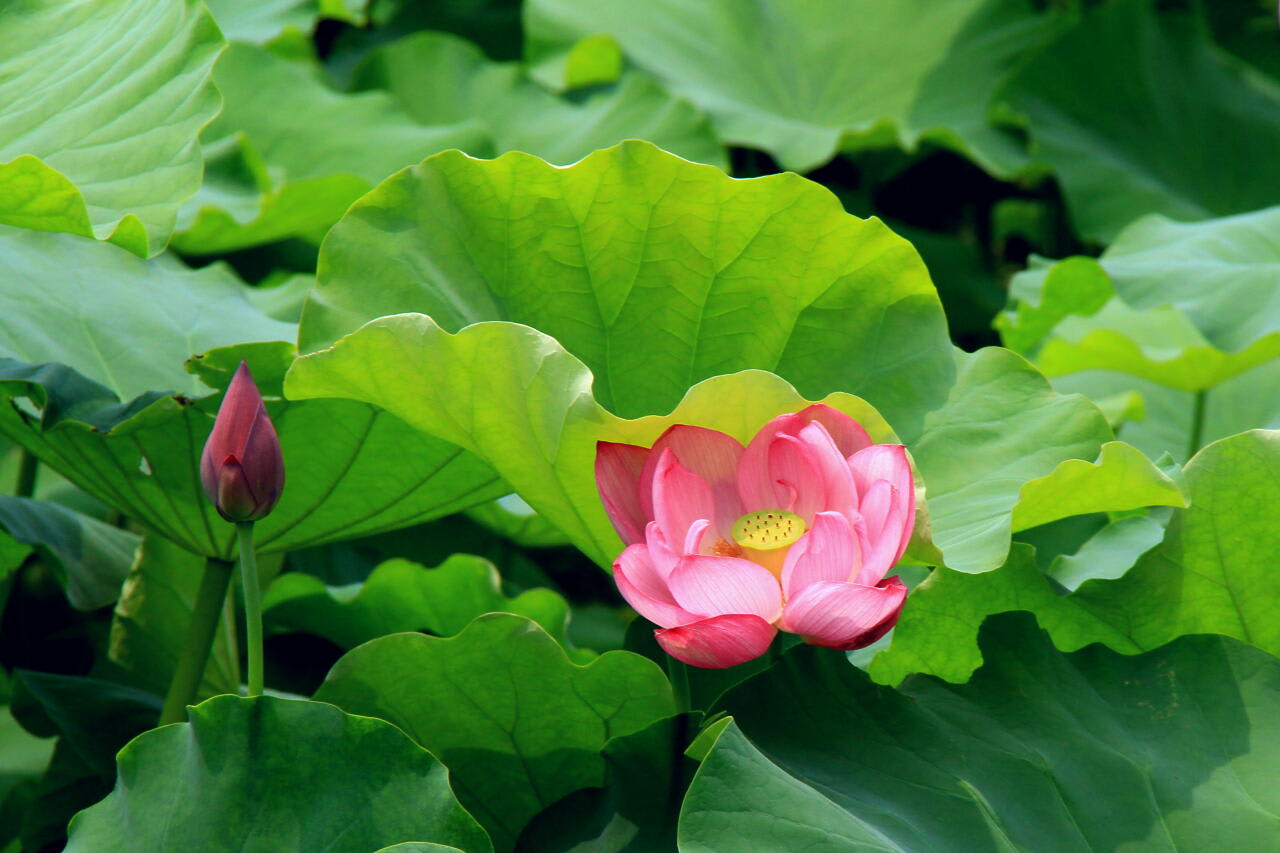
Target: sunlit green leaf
x,y
1211,574
1187,305
1121,479
590,254
103,102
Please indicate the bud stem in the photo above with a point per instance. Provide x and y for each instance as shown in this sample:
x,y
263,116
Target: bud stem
x,y
252,606
205,615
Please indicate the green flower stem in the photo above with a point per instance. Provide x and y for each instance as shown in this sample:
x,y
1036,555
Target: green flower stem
x,y
1197,422
195,651
252,606
678,675
27,466
233,640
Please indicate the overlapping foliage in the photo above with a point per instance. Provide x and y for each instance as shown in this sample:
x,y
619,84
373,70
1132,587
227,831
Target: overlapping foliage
x,y
459,244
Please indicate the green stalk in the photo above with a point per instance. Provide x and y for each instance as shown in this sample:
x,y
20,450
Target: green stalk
x,y
233,641
678,675
1197,422
200,633
27,467
252,606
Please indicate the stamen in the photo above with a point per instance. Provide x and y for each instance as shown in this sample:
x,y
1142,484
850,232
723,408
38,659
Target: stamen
x,y
725,549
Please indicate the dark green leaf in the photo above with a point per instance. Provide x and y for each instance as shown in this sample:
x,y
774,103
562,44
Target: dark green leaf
x,y
518,724
1173,750
1138,113
275,774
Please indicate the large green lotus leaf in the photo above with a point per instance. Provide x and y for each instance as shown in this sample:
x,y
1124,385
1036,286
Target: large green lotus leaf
x,y
441,80
1001,429
655,271
1172,750
1187,305
658,273
1164,422
93,557
103,104
517,723
275,774
500,390
152,618
1121,479
1210,574
124,322
125,328
292,172
403,596
1139,113
261,21
804,80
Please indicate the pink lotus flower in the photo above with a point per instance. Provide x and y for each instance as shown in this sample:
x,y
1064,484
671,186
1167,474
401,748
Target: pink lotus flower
x,y
726,544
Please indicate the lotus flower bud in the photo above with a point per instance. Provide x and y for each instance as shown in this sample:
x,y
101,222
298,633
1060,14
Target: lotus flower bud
x,y
241,467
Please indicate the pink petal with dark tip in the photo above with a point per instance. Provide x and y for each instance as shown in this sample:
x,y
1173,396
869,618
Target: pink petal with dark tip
x,y
845,615
718,642
618,469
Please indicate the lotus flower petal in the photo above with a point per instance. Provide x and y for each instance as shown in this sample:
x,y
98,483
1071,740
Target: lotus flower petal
x,y
680,498
845,615
718,642
618,470
848,434
830,552
711,455
645,590
713,586
889,462
837,480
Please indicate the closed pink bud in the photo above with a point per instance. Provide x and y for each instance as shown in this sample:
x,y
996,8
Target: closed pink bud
x,y
241,467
